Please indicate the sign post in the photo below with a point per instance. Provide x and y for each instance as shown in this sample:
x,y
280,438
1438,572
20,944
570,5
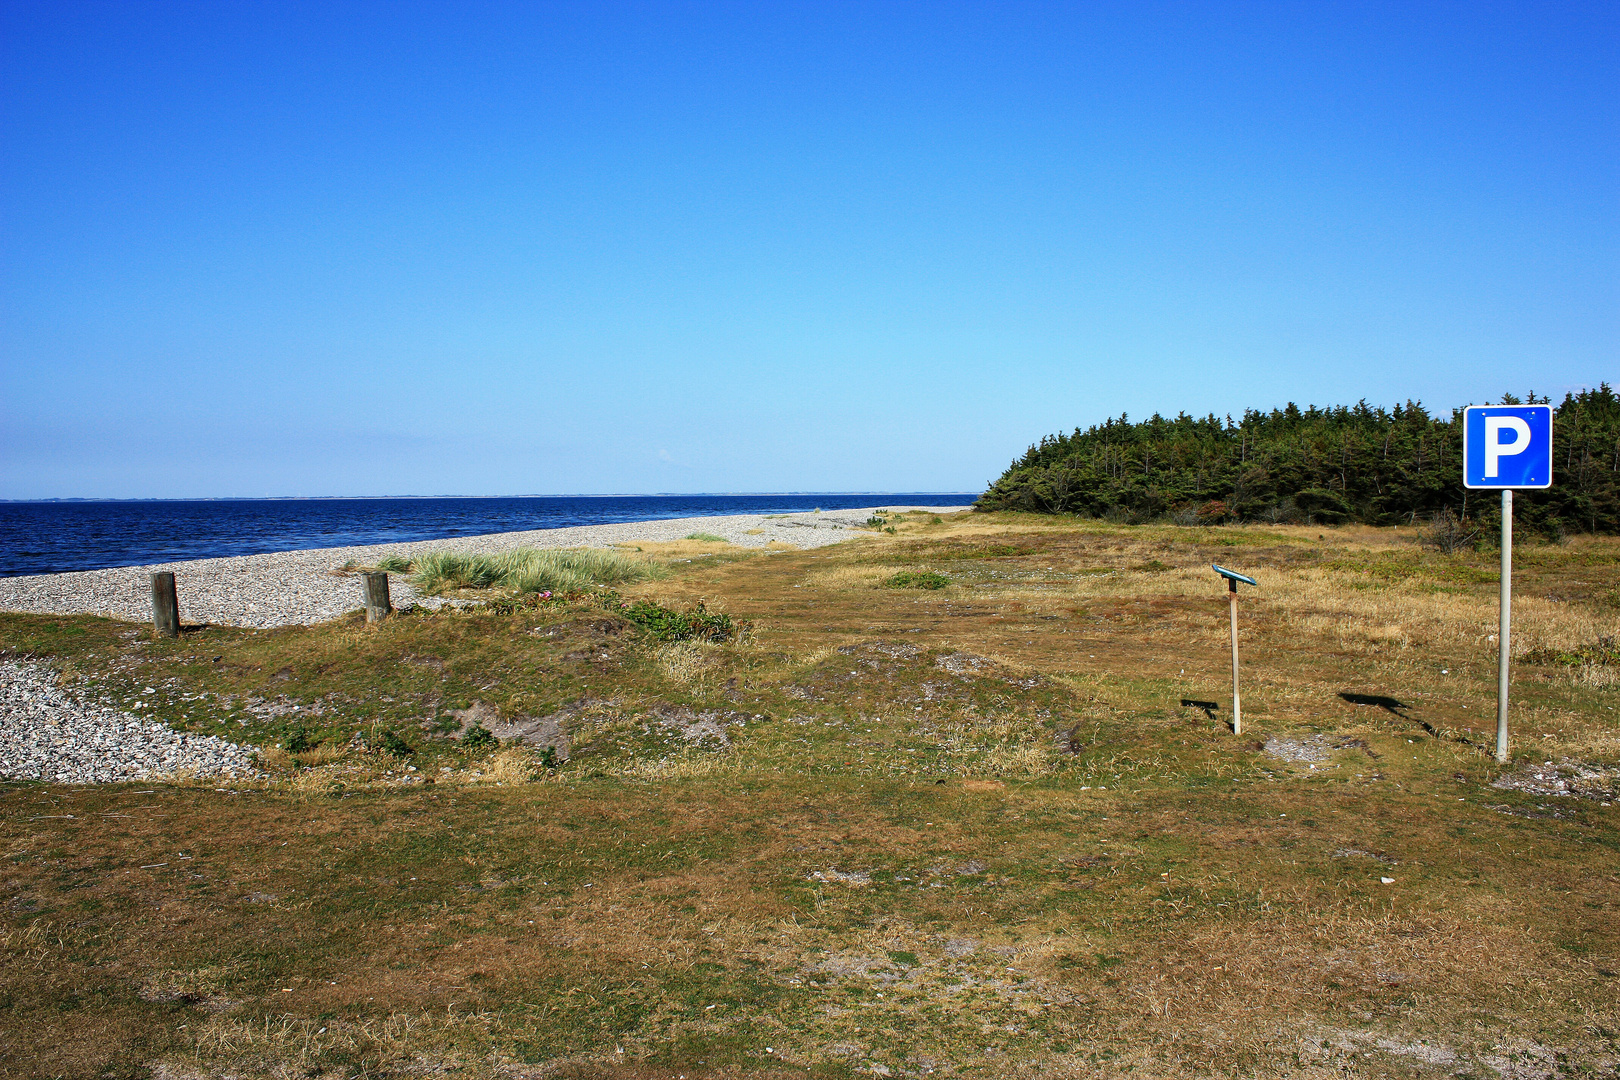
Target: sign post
x,y
1232,578
1506,447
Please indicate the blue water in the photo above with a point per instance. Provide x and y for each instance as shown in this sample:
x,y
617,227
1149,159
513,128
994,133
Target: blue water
x,y
51,537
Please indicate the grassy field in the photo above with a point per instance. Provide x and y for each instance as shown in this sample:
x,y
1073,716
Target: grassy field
x,y
960,799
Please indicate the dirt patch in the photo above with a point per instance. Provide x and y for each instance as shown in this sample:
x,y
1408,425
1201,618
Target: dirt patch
x,y
1566,778
964,665
888,650
702,728
852,877
540,732
1308,748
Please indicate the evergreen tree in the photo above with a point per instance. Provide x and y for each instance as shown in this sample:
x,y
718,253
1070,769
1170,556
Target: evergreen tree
x,y
1361,463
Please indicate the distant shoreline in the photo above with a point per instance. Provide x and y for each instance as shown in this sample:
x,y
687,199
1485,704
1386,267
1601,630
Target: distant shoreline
x,y
62,536
583,495
295,587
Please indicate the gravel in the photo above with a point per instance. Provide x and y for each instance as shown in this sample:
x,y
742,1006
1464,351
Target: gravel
x,y
299,587
49,733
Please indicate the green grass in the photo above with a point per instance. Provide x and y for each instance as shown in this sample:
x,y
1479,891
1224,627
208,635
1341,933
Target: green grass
x,y
912,579
527,570
706,537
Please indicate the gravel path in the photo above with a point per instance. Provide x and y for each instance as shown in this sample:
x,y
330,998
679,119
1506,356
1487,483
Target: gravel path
x,y
48,733
298,587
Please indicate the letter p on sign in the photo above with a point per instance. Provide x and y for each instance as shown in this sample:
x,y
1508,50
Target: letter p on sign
x,y
1496,448
1507,446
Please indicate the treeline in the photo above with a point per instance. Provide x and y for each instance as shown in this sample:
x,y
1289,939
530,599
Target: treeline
x,y
1329,466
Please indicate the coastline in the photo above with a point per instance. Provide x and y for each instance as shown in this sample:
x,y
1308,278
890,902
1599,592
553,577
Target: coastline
x,y
287,588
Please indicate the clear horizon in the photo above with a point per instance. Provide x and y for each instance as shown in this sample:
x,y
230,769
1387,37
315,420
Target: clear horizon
x,y
835,248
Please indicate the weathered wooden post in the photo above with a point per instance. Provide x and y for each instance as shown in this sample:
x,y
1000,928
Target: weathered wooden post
x,y
1232,578
165,605
1237,699
377,605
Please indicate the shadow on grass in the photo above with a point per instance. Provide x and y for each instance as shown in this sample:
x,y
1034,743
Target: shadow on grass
x,y
1393,706
1208,707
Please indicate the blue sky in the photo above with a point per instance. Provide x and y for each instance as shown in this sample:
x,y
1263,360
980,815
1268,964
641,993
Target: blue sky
x,y
326,249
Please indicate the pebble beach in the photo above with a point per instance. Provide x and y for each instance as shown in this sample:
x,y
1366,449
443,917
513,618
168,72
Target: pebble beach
x,y
299,587
52,733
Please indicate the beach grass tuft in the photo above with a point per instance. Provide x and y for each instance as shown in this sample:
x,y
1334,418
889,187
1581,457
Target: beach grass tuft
x,y
528,570
706,537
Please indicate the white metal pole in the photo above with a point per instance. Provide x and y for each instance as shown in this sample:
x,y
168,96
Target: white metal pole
x,y
1237,704
1505,628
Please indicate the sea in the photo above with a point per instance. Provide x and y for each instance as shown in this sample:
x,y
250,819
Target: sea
x,y
58,536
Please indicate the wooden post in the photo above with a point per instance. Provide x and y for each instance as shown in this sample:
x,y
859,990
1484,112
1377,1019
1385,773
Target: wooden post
x,y
376,592
165,605
1237,704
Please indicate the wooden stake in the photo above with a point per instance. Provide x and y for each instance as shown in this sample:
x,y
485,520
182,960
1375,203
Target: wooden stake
x,y
1237,703
165,605
376,592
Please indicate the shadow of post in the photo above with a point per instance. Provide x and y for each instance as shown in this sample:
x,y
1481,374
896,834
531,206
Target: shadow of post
x,y
1208,708
1397,707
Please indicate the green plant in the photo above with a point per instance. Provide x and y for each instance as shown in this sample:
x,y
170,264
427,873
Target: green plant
x,y
297,739
706,537
875,522
667,624
478,737
914,579
548,758
1605,650
390,743
527,570
394,564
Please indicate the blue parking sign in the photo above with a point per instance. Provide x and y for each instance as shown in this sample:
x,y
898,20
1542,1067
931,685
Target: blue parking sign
x,y
1507,446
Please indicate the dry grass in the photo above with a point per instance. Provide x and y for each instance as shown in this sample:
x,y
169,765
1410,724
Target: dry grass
x,y
846,577
511,765
973,831
684,765
688,663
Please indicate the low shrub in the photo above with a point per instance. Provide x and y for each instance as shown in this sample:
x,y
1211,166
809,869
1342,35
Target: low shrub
x,y
667,624
478,737
1449,533
392,744
914,579
296,739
